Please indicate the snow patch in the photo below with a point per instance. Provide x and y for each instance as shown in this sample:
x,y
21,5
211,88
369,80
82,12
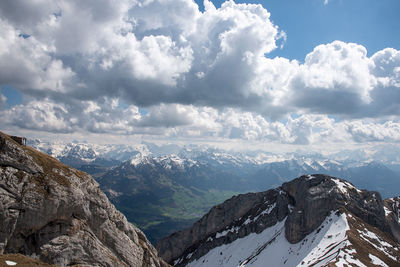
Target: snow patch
x,y
372,235
225,232
177,261
344,186
11,263
384,246
345,260
270,246
267,211
387,211
138,159
264,212
291,208
377,261
189,255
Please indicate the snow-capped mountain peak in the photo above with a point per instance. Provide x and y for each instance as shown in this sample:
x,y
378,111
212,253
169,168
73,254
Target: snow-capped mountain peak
x,y
173,160
139,159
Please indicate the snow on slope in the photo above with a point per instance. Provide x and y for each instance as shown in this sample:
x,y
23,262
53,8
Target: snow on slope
x,y
271,247
375,260
139,159
167,162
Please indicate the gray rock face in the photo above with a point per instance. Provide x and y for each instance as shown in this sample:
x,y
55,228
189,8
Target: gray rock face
x,y
392,212
12,154
305,202
59,215
316,196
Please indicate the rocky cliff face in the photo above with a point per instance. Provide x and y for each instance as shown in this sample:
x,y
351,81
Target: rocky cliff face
x,y
392,212
314,197
59,215
292,217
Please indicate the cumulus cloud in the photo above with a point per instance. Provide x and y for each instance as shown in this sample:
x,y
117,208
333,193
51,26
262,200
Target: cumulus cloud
x,y
137,51
188,121
373,132
39,115
92,65
27,64
334,79
386,92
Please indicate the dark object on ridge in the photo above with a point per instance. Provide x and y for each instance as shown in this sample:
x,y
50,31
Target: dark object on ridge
x,y
19,140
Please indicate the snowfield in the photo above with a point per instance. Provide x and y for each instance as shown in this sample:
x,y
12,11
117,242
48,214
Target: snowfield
x,y
271,247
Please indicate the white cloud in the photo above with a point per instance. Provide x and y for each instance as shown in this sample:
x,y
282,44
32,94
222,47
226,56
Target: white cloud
x,y
148,56
335,78
173,116
91,65
386,67
374,132
175,120
27,64
42,116
386,93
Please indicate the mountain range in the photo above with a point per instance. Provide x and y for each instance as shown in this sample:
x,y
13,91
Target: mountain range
x,y
162,192
57,214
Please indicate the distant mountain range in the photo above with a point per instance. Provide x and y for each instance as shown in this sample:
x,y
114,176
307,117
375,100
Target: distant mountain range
x,y
166,188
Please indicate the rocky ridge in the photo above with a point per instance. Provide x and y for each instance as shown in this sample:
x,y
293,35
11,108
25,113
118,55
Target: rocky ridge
x,y
302,207
59,215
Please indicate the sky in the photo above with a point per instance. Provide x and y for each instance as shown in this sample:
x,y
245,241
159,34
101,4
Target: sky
x,y
282,74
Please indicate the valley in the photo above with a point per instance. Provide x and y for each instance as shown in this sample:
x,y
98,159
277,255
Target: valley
x,y
162,192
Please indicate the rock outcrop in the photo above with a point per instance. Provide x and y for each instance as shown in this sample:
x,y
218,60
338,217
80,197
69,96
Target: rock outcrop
x,y
301,206
59,215
392,212
314,197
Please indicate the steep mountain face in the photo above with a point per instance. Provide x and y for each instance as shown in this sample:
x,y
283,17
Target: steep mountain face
x,y
59,215
314,220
